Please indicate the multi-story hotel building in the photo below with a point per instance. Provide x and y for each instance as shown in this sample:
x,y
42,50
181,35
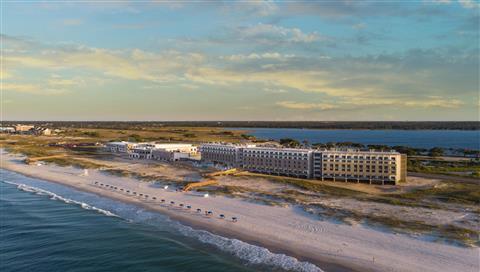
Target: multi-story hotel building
x,y
227,154
360,166
278,161
337,165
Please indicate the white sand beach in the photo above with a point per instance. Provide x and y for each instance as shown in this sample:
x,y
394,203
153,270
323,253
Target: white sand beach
x,y
289,230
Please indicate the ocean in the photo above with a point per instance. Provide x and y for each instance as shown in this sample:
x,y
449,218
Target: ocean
x,y
413,138
46,226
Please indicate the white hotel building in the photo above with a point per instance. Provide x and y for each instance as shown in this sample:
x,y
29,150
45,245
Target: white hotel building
x,y
337,165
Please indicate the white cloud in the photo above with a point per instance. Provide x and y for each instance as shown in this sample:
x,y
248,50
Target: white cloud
x,y
470,4
266,33
306,106
274,90
255,56
72,22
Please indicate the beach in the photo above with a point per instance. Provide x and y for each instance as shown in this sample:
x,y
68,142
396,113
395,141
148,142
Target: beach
x,y
290,230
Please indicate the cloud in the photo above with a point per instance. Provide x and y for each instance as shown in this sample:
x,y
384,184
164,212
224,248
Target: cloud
x,y
274,90
270,34
359,26
306,106
72,22
258,56
32,89
469,4
261,8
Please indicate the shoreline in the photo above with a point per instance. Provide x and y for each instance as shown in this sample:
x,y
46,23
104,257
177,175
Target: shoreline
x,y
298,240
276,248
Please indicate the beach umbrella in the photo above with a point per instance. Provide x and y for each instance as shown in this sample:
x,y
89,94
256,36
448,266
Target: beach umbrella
x,y
189,207
154,198
181,205
222,216
163,200
199,210
172,202
234,219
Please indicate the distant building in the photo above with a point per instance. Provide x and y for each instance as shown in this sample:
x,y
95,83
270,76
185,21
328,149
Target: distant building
x,y
140,152
165,152
182,148
7,130
165,155
120,147
19,128
42,131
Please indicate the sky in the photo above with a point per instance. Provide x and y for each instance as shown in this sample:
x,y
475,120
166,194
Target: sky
x,y
240,60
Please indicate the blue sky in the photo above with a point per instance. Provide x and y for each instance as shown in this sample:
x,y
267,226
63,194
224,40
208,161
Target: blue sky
x,y
240,60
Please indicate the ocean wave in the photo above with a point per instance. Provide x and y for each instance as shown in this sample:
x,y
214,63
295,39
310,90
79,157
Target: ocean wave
x,y
54,196
253,255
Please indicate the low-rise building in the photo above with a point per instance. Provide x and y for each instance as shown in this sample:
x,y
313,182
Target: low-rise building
x,y
19,128
181,148
42,131
7,130
166,152
166,155
140,152
119,147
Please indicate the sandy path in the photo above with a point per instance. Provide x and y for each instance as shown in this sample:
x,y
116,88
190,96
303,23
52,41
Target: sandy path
x,y
286,230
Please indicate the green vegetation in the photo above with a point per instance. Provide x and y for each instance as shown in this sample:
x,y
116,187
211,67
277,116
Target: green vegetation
x,y
436,152
92,133
288,142
73,162
446,232
460,168
317,186
446,192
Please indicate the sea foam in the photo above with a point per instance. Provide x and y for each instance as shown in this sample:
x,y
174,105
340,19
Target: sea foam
x,y
251,255
54,196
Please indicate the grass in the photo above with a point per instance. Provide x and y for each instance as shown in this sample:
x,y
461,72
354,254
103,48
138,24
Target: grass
x,y
454,168
448,232
189,134
446,192
312,185
73,162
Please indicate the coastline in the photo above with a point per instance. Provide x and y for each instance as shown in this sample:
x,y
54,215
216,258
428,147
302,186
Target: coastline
x,y
332,247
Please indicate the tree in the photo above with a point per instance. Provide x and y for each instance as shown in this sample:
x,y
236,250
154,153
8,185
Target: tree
x,y
436,152
288,142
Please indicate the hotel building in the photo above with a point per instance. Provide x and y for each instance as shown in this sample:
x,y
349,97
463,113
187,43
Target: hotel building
x,y
337,165
278,161
227,154
360,166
